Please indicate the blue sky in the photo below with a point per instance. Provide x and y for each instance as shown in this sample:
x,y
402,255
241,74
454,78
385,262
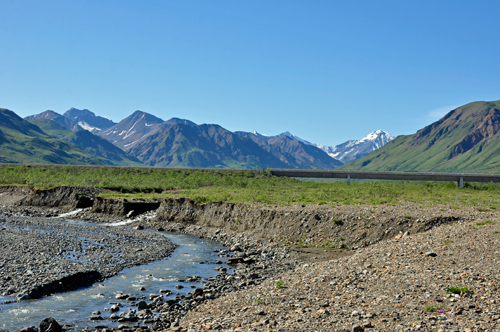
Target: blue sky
x,y
327,71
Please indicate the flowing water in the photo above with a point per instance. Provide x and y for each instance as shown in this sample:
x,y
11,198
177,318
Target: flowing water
x,y
193,257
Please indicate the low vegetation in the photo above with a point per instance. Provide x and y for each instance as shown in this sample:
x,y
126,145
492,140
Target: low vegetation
x,y
433,307
487,222
246,186
457,290
279,284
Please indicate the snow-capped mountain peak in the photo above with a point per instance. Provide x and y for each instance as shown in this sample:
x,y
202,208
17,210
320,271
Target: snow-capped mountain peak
x,y
356,149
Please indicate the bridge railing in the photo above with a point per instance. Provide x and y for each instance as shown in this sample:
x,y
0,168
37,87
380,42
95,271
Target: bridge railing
x,y
460,178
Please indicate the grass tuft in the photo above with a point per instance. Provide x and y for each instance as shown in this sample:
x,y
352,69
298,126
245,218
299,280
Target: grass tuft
x,y
279,284
433,307
487,222
258,301
457,290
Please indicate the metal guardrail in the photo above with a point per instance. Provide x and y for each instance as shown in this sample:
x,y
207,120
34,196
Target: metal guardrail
x,y
460,178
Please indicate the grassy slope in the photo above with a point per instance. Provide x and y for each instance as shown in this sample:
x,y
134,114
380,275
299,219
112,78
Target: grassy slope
x,y
246,186
431,149
23,142
94,145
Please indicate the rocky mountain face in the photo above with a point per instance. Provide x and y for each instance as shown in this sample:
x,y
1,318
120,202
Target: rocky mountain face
x,y
181,145
345,152
467,139
293,151
131,130
24,142
88,120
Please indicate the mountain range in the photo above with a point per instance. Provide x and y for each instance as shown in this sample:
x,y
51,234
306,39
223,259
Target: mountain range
x,y
66,129
144,139
183,143
467,139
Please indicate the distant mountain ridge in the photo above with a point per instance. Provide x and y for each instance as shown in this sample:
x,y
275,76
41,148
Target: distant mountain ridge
x,y
356,149
467,139
293,152
60,127
183,143
130,130
345,152
57,118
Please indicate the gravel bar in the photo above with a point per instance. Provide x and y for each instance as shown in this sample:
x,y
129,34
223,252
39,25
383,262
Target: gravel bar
x,y
41,256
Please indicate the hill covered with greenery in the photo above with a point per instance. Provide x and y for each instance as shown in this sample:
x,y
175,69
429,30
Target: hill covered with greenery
x,y
24,142
467,139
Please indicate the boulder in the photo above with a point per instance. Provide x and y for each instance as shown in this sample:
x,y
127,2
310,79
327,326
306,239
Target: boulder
x,y
142,305
49,325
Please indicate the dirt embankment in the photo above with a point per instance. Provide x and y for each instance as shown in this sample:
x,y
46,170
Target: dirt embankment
x,y
322,226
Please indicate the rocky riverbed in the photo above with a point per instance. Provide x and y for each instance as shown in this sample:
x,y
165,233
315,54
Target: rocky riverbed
x,y
357,268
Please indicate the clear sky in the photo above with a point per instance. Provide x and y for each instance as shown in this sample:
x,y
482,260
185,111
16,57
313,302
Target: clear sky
x,y
327,71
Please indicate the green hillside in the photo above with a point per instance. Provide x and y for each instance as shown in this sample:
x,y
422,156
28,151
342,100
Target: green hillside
x,y
90,143
23,142
467,139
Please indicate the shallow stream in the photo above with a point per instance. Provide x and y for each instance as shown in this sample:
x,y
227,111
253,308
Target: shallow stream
x,y
193,257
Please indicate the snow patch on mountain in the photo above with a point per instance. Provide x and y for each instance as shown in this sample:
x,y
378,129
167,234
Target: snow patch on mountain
x,y
88,127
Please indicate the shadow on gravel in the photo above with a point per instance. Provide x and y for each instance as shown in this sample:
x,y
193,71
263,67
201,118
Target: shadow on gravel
x,y
66,284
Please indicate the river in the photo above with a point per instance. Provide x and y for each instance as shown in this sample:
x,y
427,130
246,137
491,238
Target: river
x,y
193,257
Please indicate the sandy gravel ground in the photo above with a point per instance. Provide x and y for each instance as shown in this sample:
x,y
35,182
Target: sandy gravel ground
x,y
395,285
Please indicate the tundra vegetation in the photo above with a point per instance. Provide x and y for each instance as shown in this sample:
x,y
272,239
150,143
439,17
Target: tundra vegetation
x,y
248,186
